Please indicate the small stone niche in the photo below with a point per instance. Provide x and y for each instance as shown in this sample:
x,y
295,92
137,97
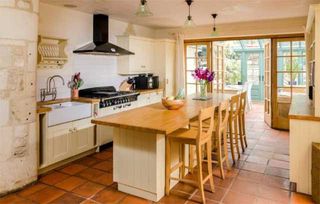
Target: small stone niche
x,y
51,52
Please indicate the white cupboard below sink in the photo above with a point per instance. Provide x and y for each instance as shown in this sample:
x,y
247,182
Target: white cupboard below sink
x,y
66,140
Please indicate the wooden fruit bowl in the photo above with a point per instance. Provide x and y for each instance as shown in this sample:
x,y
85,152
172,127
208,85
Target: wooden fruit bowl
x,y
172,104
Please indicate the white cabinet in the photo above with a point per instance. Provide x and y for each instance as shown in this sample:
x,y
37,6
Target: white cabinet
x,y
165,64
66,140
141,61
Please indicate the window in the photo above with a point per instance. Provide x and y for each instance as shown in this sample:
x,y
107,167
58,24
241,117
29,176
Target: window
x,y
291,69
197,56
253,68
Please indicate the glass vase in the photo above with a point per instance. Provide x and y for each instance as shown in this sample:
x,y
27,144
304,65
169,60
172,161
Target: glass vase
x,y
203,89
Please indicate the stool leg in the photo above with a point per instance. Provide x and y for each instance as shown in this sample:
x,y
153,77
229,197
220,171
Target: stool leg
x,y
236,136
209,156
168,166
219,155
226,154
241,132
200,177
183,161
191,158
231,141
244,130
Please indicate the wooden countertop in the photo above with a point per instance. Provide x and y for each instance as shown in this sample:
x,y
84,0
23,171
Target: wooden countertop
x,y
156,118
301,109
42,109
146,91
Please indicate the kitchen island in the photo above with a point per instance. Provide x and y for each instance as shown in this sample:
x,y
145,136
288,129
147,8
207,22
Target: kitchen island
x,y
139,144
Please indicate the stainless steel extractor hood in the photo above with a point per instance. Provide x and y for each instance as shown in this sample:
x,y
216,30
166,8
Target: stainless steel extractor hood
x,y
100,44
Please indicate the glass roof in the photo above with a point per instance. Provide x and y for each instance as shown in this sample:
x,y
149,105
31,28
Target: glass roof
x,y
255,45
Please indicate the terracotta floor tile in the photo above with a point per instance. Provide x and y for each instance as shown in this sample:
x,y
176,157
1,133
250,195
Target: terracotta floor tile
x,y
279,164
53,178
89,201
296,198
274,171
70,183
275,194
267,201
216,196
238,198
260,153
31,189
68,198
73,169
260,168
104,166
12,199
172,199
264,148
88,189
103,155
257,159
109,196
134,200
105,179
276,182
282,157
251,176
46,195
88,161
245,186
90,174
184,188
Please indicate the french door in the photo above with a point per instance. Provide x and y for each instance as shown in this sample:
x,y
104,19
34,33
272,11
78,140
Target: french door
x,y
289,73
197,56
267,83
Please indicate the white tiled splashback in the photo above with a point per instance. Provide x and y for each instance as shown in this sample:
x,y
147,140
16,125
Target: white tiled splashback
x,y
95,71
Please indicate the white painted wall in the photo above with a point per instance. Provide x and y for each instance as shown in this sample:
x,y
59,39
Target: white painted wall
x,y
266,27
77,28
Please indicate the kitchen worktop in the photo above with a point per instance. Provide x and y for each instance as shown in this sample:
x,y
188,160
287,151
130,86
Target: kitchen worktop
x,y
157,119
42,109
302,109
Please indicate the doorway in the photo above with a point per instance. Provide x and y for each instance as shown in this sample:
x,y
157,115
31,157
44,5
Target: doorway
x,y
289,79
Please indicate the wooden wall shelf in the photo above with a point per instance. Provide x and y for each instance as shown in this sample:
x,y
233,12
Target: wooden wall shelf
x,y
51,52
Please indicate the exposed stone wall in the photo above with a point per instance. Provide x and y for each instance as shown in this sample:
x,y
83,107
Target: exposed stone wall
x,y
18,138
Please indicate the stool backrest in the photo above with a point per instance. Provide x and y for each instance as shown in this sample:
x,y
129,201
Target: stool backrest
x,y
223,116
243,101
204,115
234,106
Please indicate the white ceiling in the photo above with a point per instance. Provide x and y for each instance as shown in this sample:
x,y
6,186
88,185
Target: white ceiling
x,y
172,13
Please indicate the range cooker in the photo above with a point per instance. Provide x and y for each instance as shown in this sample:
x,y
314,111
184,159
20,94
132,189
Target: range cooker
x,y
110,97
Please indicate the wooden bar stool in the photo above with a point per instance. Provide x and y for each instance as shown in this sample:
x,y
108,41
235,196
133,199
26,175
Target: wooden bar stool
x,y
242,122
198,137
233,125
220,137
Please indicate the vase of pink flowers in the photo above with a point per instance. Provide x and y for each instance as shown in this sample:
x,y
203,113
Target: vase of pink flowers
x,y
75,83
203,77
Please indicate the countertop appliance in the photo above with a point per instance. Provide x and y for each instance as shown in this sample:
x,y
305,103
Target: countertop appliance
x,y
146,81
109,97
100,44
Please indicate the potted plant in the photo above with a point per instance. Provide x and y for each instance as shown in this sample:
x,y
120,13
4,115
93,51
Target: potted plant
x,y
75,83
203,77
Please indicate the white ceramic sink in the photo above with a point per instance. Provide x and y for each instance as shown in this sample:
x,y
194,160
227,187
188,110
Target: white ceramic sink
x,y
67,112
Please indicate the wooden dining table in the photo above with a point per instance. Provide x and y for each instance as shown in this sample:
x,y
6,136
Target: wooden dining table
x,y
139,143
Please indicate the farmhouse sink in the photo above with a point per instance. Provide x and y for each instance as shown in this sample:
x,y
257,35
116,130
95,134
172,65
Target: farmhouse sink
x,y
67,112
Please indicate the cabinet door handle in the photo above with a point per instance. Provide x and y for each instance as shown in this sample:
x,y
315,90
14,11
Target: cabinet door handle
x,y
75,129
